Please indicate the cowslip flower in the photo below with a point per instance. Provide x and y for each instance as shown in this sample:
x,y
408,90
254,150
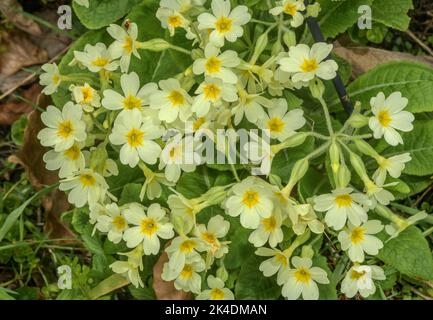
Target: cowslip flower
x,y
343,204
293,8
217,65
277,263
269,230
133,97
136,136
216,229
251,202
216,291
50,79
212,92
86,97
224,23
125,44
86,186
112,222
67,162
357,240
281,123
388,117
189,278
303,279
96,58
360,278
393,166
172,101
305,64
64,127
147,228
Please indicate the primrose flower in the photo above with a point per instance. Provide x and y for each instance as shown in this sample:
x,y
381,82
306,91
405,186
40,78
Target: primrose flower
x,y
86,186
303,216
250,105
217,65
269,230
357,240
112,222
280,123
64,128
302,280
136,136
180,250
152,186
360,278
343,204
189,278
377,192
171,14
85,96
125,44
212,92
278,263
293,8
224,23
216,291
393,165
131,268
172,101
133,97
216,228
305,64
174,159
67,162
147,227
50,79
251,201
388,117
96,58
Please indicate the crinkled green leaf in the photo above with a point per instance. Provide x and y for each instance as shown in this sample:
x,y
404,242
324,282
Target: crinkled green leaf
x,y
392,13
409,253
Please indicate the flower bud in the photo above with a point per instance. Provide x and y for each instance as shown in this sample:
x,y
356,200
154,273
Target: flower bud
x,y
307,252
156,45
358,120
366,148
289,38
317,88
98,157
343,176
358,166
334,156
277,48
313,10
222,273
261,44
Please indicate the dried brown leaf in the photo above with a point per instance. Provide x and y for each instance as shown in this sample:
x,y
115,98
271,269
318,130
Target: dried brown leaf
x,y
364,59
20,52
11,111
30,157
165,290
12,11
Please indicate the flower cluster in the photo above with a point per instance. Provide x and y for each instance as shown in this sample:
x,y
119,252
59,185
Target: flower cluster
x,y
115,120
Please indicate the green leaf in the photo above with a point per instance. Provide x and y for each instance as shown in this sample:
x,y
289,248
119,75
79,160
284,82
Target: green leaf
x,y
103,12
419,143
251,283
239,248
130,193
414,80
392,13
108,285
337,17
17,130
14,215
194,184
326,291
5,294
142,293
409,253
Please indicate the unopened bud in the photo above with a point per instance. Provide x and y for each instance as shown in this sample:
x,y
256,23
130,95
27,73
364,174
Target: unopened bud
x,y
358,166
307,252
289,38
261,44
317,88
334,156
277,48
358,120
366,148
299,170
156,45
222,273
343,176
98,157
